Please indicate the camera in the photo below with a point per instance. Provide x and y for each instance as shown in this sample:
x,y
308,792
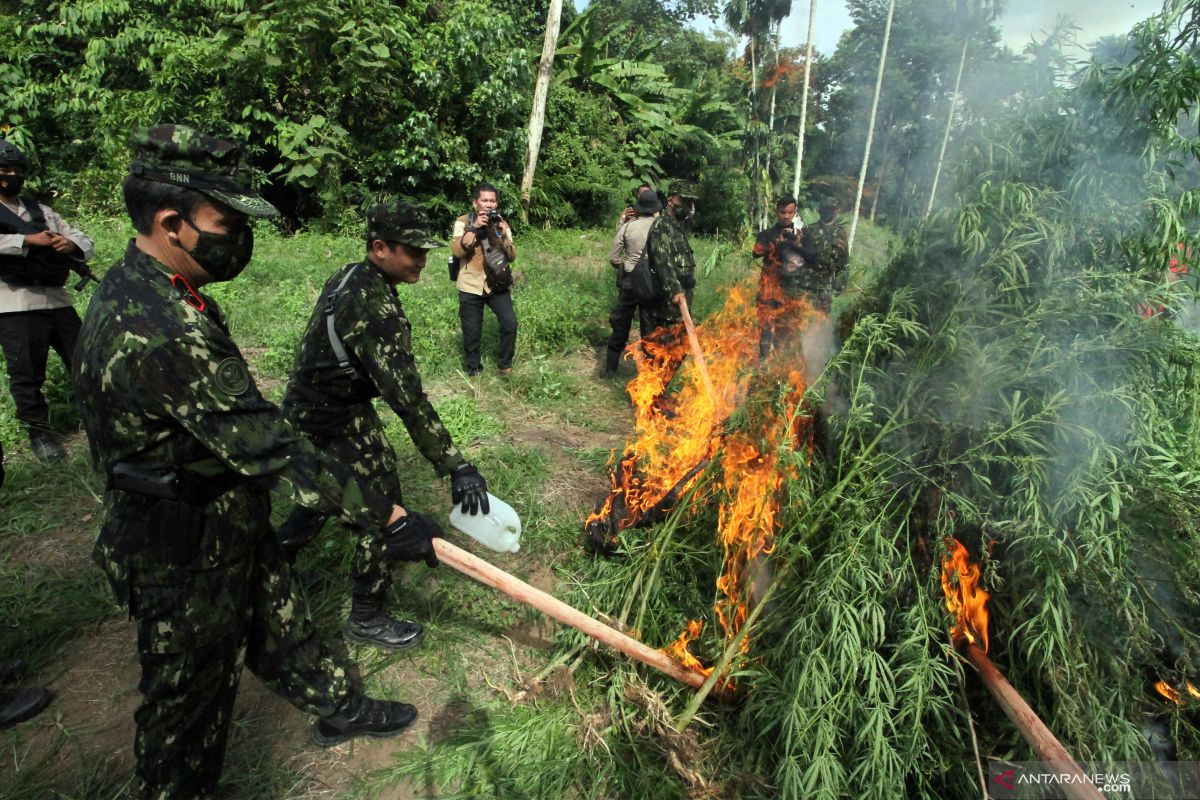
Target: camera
x,y
491,216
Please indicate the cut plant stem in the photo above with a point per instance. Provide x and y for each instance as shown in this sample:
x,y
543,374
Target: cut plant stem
x,y
520,591
1034,731
660,549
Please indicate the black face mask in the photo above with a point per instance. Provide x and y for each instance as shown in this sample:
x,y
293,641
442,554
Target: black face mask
x,y
11,185
223,255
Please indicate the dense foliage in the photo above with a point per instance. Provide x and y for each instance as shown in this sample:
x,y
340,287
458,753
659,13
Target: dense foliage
x,y
348,100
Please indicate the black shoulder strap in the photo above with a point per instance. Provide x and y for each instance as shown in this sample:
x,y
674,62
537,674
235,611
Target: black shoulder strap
x,y
37,217
11,223
335,341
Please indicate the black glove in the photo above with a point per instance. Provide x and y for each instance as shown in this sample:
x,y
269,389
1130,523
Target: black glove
x,y
469,489
410,538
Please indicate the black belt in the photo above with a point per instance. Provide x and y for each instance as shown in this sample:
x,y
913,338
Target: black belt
x,y
178,485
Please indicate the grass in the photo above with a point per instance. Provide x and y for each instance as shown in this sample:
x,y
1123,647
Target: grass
x,y
541,437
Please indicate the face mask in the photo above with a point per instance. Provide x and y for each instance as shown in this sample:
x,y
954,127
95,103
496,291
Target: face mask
x,y
11,185
223,255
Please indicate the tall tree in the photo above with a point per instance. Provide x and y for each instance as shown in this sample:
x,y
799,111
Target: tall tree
x,y
862,174
537,115
777,11
975,12
808,54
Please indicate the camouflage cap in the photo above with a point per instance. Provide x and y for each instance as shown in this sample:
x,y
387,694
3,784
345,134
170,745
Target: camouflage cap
x,y
685,189
402,222
183,156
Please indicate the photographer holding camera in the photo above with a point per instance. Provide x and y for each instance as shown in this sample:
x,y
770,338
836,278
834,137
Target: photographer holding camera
x,y
783,272
483,243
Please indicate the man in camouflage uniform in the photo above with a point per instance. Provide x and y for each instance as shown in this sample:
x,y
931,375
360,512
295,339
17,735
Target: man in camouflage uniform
x,y
356,348
670,259
189,447
827,256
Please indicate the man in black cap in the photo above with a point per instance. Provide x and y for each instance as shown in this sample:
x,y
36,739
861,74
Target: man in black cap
x,y
627,249
357,347
189,448
37,252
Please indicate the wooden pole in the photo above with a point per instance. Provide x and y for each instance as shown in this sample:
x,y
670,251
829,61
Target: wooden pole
x,y
1035,732
551,606
694,341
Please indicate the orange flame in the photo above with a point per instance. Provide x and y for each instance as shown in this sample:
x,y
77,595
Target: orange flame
x,y
679,651
1174,695
1169,692
675,432
678,430
965,598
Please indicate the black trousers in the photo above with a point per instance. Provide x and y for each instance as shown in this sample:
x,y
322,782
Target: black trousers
x,y
26,338
621,320
470,314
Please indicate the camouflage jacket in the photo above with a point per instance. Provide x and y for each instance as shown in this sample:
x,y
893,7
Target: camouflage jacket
x,y
671,256
824,248
322,400
162,386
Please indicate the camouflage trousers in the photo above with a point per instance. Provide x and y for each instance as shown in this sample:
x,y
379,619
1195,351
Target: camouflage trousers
x,y
202,612
367,451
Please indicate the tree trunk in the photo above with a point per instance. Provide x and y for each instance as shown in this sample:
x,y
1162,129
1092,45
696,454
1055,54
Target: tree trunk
x,y
937,173
808,50
537,115
878,189
862,173
768,183
755,189
882,170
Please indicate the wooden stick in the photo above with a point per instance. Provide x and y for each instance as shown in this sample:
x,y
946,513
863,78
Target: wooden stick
x,y
694,341
551,606
1039,737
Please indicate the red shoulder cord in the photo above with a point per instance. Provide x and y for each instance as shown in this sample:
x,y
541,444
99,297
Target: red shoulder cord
x,y
188,293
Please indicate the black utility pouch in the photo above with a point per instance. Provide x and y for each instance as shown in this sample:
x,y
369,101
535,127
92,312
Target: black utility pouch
x,y
174,531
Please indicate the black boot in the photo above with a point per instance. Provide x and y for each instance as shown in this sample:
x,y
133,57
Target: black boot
x,y
45,446
18,705
370,624
359,715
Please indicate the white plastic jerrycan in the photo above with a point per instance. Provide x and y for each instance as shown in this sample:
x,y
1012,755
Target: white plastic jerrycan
x,y
499,530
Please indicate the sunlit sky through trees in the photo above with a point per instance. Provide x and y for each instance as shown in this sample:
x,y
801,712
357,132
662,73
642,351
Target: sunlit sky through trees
x,y
1022,20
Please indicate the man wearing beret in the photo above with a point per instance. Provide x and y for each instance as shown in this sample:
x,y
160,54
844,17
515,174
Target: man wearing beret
x,y
357,347
189,447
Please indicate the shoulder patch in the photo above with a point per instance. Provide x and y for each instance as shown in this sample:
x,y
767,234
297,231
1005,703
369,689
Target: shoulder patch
x,y
232,377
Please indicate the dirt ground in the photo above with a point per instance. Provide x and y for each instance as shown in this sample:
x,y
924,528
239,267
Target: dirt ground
x,y
83,742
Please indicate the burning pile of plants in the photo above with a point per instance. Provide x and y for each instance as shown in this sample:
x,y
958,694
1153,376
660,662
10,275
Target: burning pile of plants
x,y
995,387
